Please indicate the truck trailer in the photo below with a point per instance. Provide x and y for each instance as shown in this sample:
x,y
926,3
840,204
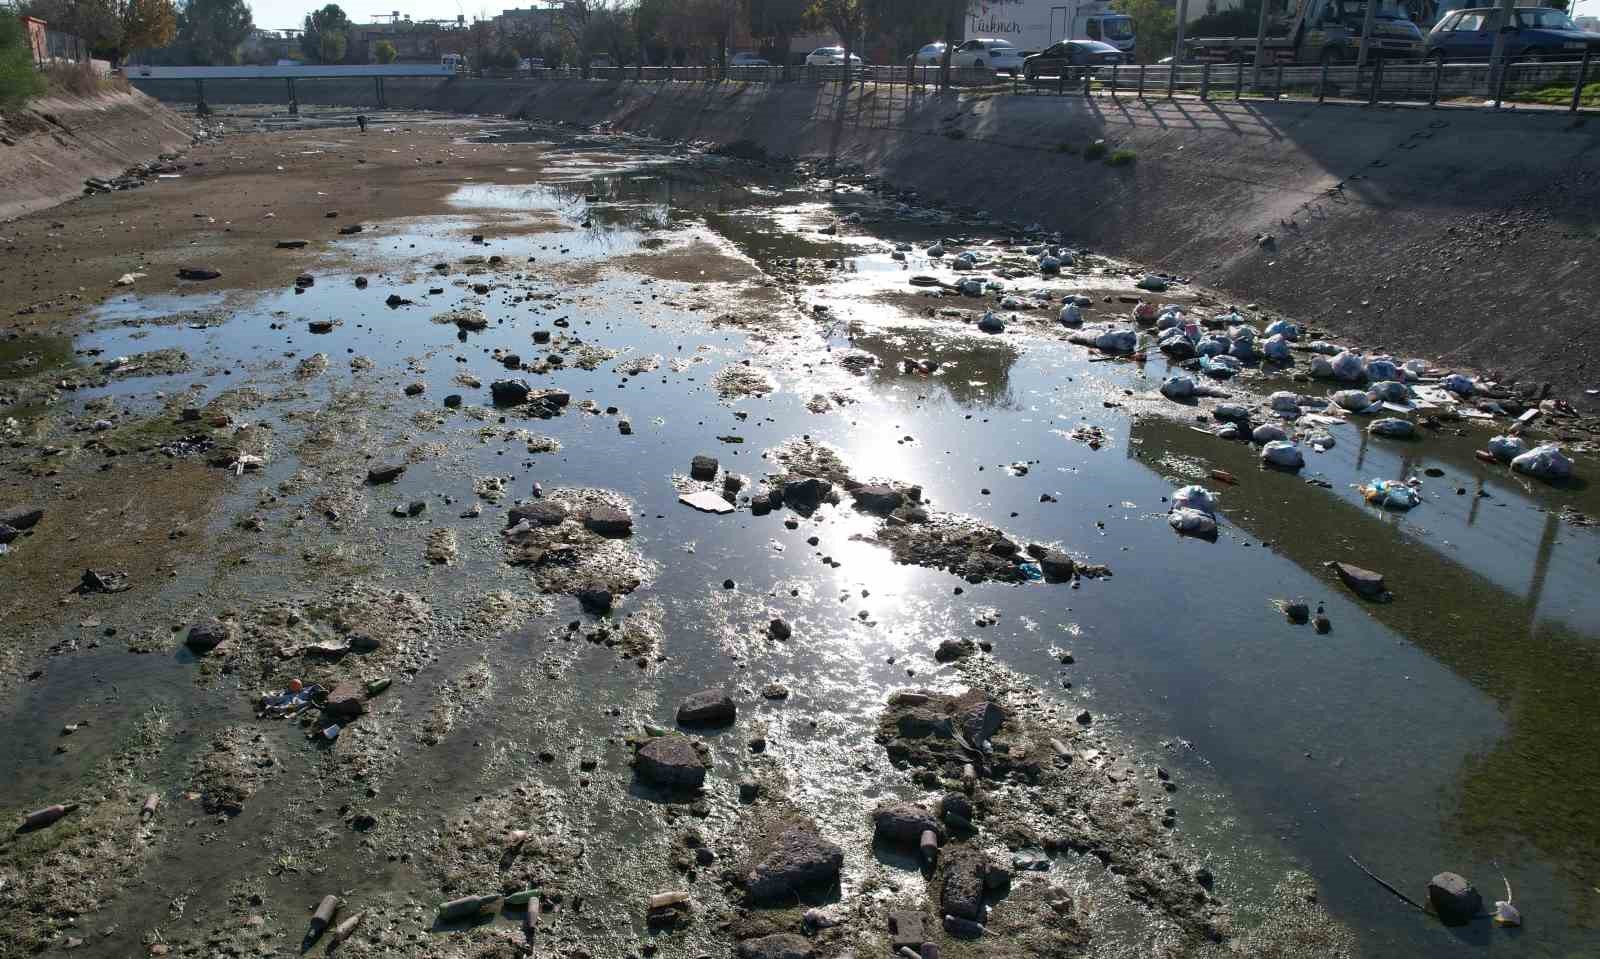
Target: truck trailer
x,y
1032,25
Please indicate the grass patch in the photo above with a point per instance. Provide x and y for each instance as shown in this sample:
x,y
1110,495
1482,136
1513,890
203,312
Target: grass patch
x,y
1121,158
1096,150
82,80
1065,148
1560,95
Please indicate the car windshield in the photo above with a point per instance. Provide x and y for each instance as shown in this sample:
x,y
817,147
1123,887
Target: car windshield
x,y
1544,20
1116,28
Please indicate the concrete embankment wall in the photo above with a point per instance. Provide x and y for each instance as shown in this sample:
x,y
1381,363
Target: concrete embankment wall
x,y
53,144
1461,235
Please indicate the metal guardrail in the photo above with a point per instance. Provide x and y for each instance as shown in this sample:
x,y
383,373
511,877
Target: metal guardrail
x,y
1549,83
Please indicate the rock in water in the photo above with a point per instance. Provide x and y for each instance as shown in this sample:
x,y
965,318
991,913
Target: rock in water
x,y
1365,582
670,761
1454,899
707,706
800,858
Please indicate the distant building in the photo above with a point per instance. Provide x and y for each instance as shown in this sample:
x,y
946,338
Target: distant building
x,y
415,41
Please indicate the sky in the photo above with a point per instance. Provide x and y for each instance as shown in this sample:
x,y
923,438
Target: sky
x,y
280,14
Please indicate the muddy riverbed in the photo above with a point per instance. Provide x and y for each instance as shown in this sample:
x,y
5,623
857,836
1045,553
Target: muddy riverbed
x,y
576,427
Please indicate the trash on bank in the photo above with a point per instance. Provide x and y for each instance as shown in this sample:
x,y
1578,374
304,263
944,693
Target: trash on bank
x,y
467,907
49,815
1283,454
1393,428
1545,462
1391,494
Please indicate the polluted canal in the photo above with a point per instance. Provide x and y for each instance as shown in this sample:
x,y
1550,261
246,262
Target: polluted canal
x,y
647,552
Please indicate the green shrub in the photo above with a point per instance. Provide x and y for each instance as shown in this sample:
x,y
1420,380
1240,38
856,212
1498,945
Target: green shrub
x,y
1095,150
18,79
1120,158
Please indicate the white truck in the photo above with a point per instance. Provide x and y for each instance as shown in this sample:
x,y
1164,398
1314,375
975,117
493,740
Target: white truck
x,y
1032,25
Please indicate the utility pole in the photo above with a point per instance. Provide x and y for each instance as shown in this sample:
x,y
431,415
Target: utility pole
x,y
1261,38
1497,60
1366,35
1177,41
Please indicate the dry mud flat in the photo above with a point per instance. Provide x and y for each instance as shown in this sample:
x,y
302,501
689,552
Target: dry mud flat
x,y
400,493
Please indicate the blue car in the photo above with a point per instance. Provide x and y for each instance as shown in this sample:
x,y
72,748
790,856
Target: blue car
x,y
1538,33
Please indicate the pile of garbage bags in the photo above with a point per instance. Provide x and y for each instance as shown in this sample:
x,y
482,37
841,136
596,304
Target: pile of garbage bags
x,y
1193,512
1545,462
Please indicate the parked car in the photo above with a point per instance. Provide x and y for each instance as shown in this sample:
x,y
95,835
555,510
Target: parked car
x,y
929,56
1065,54
747,60
997,55
1538,33
830,57
531,64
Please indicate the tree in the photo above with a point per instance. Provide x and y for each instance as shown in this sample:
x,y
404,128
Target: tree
x,y
95,21
1156,26
847,18
210,31
18,79
776,21
147,24
384,52
331,46
330,19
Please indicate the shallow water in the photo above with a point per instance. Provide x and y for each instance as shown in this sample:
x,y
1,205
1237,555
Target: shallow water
x,y
1451,729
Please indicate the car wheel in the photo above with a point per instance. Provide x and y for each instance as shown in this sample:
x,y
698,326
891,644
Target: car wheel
x,y
1437,56
1029,75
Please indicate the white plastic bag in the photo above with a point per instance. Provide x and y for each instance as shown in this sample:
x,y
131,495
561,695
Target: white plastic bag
x,y
1071,315
1276,349
1507,448
1545,462
1192,522
1268,433
1393,427
1348,367
1284,401
1458,384
1282,453
1195,497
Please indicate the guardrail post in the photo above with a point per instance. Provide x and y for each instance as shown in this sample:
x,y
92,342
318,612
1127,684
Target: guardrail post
x,y
1322,84
1500,84
1172,78
1577,88
1205,82
1141,81
1277,84
1438,77
1113,81
1377,81
1088,77
1238,80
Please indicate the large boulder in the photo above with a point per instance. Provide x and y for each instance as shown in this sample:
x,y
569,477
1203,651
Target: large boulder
x,y
538,513
1057,565
878,498
670,761
807,493
1453,899
782,946
206,636
346,701
609,521
976,716
965,873
509,392
703,468
1364,582
800,858
22,517
706,707
902,823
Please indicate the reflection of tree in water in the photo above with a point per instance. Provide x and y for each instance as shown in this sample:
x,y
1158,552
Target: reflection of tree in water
x,y
972,373
1540,783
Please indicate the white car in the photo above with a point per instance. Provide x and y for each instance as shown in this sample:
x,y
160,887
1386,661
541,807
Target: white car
x,y
929,56
747,60
997,55
830,57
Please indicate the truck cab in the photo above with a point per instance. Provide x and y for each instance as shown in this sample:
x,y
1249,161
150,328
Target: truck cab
x,y
1115,29
1319,31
